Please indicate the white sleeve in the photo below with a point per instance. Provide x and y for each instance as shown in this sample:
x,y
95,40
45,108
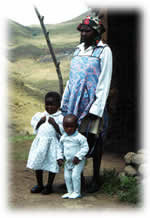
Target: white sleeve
x,y
60,149
103,86
60,123
34,121
84,148
65,91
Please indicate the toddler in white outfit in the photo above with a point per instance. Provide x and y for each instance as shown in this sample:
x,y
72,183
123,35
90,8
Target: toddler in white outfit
x,y
73,149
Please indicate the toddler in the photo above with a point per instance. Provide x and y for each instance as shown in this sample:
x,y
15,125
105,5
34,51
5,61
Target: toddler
x,y
73,148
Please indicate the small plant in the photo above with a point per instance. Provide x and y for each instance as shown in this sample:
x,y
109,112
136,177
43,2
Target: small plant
x,y
110,182
129,189
125,187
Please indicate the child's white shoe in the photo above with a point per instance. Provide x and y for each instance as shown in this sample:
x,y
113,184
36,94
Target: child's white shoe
x,y
67,195
74,195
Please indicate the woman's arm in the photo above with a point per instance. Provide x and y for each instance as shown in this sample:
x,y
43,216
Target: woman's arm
x,y
103,86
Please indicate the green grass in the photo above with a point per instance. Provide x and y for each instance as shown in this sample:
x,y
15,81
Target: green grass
x,y
20,138
125,187
19,147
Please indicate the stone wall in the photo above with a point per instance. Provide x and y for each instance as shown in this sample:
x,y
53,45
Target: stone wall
x,y
135,165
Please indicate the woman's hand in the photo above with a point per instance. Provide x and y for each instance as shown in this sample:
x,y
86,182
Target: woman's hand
x,y
92,116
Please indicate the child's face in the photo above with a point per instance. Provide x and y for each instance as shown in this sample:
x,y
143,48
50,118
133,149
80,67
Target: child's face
x,y
51,106
69,125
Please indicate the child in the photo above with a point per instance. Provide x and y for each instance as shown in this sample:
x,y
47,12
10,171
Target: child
x,y
43,153
73,148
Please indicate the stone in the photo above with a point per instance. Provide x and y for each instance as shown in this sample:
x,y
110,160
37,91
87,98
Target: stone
x,y
141,151
141,169
121,174
138,159
128,157
130,170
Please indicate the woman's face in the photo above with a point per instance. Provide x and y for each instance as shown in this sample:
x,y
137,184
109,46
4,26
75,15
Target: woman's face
x,y
87,34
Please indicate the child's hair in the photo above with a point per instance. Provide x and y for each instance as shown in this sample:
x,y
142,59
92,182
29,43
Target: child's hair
x,y
72,116
55,96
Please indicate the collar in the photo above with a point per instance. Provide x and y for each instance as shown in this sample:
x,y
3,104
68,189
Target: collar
x,y
53,115
74,134
81,46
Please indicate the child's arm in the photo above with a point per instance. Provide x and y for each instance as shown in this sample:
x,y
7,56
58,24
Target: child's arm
x,y
34,121
60,152
83,151
41,121
54,124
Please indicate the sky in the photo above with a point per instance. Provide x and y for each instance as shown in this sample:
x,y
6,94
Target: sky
x,y
54,11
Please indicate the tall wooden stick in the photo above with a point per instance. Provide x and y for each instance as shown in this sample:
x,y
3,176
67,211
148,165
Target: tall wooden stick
x,y
57,64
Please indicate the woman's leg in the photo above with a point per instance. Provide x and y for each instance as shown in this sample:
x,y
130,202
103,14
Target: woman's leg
x,y
97,157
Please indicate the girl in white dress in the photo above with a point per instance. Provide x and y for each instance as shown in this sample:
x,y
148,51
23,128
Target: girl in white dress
x,y
47,126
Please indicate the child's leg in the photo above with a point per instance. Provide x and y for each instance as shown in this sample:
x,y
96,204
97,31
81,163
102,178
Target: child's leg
x,y
39,177
68,179
76,176
48,188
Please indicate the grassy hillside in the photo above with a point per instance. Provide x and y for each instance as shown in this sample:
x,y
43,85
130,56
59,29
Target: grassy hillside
x,y
31,72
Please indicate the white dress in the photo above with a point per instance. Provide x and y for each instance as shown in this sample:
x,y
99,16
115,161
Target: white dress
x,y
43,152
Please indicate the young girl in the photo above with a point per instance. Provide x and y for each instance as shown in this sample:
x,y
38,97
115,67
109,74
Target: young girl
x,y
73,148
42,156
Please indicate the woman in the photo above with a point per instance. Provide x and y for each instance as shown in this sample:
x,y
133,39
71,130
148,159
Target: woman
x,y
88,86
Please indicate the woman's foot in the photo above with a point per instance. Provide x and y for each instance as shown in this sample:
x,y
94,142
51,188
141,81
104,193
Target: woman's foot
x,y
37,189
47,190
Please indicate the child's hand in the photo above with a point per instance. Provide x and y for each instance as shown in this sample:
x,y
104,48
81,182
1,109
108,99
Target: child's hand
x,y
60,162
51,121
76,160
43,119
54,124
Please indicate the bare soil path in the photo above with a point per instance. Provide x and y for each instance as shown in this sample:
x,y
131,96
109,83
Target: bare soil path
x,y
22,179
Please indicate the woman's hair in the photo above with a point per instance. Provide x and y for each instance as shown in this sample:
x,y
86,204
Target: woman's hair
x,y
55,96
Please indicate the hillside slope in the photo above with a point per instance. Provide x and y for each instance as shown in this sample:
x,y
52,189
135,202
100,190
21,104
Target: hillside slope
x,y
31,72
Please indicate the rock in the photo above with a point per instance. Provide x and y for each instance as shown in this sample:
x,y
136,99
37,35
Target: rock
x,y
138,159
130,171
141,169
138,179
141,151
121,174
128,157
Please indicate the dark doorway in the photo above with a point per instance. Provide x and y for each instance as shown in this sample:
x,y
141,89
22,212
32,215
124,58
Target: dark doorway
x,y
123,38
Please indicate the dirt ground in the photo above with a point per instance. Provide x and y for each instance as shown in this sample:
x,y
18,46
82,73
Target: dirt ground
x,y
22,179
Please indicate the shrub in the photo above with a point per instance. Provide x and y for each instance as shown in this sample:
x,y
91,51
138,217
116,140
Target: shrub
x,y
125,187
